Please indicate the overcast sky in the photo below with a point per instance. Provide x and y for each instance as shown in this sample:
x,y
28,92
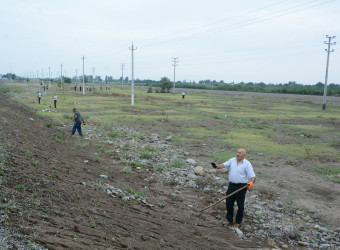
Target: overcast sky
x,y
273,41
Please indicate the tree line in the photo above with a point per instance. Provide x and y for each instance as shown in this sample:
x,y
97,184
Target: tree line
x,y
165,84
284,88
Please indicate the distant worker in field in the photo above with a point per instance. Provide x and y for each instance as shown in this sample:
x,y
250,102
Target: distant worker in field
x,y
39,97
77,122
183,95
241,173
55,98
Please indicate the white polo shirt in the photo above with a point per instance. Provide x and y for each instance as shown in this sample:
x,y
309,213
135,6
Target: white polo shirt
x,y
239,173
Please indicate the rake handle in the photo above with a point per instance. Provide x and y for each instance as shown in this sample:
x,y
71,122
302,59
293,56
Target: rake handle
x,y
225,197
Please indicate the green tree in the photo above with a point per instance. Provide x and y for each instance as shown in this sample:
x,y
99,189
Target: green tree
x,y
165,84
86,79
67,80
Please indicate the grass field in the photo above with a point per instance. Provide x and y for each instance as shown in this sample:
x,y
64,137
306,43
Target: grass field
x,y
269,125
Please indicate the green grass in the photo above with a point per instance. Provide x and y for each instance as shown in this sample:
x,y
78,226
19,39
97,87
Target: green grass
x,y
136,194
58,136
331,172
231,119
177,163
127,170
159,167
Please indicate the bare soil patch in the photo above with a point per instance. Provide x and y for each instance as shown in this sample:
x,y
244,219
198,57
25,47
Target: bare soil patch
x,y
52,192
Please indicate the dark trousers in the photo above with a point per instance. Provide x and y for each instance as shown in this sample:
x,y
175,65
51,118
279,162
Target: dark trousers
x,y
55,103
39,99
239,198
77,126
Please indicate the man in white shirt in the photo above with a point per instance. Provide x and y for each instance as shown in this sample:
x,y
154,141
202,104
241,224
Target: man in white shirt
x,y
55,98
241,173
39,96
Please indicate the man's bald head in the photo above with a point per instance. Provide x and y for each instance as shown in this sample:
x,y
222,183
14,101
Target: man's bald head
x,y
241,154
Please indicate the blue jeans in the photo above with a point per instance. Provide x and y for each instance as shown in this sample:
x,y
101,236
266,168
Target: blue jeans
x,y
77,126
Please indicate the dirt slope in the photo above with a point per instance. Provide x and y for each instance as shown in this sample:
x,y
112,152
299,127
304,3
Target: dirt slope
x,y
50,194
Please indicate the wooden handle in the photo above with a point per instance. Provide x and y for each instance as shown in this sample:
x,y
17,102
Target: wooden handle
x,y
225,197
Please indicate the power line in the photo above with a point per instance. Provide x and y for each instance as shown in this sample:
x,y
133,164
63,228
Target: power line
x,y
187,35
244,23
328,50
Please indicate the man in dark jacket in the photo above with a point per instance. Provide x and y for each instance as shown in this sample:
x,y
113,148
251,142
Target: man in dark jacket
x,y
77,122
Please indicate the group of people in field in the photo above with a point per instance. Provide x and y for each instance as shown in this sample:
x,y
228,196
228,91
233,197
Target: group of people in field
x,y
55,99
241,173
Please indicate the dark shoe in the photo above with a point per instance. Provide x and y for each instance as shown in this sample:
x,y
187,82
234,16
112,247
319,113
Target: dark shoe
x,y
228,223
238,225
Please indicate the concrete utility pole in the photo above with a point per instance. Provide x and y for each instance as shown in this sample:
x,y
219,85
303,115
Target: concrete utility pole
x,y
123,67
132,83
328,50
174,60
49,76
61,74
83,77
92,75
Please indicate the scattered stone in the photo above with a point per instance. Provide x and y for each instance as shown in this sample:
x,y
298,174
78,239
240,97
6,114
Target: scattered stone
x,y
199,170
192,176
191,162
145,237
324,246
239,233
283,225
303,243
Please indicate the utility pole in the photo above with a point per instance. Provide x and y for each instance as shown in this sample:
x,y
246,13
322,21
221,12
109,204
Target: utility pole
x,y
76,75
83,77
92,75
49,76
328,50
132,83
61,74
174,60
123,67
